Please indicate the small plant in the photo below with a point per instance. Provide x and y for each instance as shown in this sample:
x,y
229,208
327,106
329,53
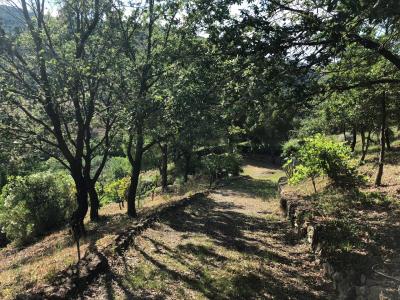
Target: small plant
x,y
319,155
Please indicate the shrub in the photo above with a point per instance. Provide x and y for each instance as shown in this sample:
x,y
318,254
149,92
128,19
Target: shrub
x,y
33,205
116,168
320,155
116,191
222,165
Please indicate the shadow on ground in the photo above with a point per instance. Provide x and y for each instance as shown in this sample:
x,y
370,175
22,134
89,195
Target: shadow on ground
x,y
216,251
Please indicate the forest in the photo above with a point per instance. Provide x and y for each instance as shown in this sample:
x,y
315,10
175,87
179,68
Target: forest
x,y
199,149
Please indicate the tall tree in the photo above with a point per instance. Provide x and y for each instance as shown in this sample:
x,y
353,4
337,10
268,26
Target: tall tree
x,y
54,89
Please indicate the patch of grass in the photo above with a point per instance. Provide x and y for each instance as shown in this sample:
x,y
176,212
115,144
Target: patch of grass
x,y
264,189
340,235
146,276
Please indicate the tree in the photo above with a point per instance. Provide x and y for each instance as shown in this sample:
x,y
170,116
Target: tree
x,y
146,38
54,90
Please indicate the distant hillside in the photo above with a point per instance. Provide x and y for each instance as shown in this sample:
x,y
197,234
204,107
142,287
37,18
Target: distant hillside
x,y
10,18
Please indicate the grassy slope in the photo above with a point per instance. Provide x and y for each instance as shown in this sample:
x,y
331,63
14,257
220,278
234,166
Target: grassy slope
x,y
370,217
39,262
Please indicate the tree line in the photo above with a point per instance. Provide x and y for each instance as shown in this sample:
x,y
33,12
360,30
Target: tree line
x,y
100,77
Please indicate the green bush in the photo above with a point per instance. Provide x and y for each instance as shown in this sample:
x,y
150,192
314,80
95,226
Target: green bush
x,y
116,191
33,205
116,168
222,165
320,155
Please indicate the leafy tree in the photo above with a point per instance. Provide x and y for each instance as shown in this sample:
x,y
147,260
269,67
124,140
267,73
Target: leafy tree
x,y
54,91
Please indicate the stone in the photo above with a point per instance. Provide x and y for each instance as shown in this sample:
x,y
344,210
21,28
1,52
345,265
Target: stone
x,y
361,291
310,234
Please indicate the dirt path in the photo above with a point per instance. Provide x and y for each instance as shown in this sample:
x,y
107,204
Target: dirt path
x,y
233,244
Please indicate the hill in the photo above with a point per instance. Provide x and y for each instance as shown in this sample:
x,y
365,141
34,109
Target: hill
x,y
10,18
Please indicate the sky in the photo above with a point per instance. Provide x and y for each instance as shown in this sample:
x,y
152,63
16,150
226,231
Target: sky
x,y
52,6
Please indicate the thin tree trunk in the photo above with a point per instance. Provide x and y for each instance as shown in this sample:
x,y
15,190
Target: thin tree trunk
x,y
387,138
362,135
353,139
365,148
313,182
164,167
94,203
378,180
136,168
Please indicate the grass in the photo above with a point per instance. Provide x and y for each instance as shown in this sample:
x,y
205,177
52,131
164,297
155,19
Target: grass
x,y
361,225
232,244
38,263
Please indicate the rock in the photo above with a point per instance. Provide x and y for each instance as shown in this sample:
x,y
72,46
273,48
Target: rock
x,y
310,234
361,291
337,277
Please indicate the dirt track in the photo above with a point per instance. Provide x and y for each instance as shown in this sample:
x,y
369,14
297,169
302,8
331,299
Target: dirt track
x,y
233,244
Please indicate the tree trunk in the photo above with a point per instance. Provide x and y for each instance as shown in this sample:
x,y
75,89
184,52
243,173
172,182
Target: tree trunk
x,y
378,180
136,168
164,167
387,138
79,214
187,167
362,134
313,183
94,203
354,139
366,146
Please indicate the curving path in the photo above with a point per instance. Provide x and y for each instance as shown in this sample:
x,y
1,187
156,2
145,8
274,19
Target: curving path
x,y
233,244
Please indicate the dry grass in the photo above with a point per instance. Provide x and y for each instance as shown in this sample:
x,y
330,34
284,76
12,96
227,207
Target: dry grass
x,y
370,216
233,244
35,264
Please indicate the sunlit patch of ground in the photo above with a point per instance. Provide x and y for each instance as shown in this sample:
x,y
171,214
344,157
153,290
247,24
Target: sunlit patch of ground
x,y
233,244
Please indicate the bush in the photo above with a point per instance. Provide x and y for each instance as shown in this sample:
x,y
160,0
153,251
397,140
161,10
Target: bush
x,y
33,205
320,155
116,168
116,191
222,165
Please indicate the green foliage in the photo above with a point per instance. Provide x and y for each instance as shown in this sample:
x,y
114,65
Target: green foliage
x,y
116,191
221,165
290,148
320,155
116,168
33,205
